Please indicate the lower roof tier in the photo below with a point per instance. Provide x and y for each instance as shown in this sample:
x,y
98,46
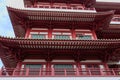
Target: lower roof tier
x,y
59,44
13,50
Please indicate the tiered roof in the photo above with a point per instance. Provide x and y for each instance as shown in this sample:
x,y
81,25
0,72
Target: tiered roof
x,y
16,49
106,6
111,32
13,50
57,19
22,43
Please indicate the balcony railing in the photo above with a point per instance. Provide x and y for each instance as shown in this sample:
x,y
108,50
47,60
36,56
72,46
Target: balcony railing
x,y
59,7
58,72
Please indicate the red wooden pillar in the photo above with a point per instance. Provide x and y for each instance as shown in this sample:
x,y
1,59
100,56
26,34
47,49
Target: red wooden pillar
x,y
50,34
19,64
83,6
51,4
27,33
106,68
27,72
101,72
48,65
78,67
40,74
35,3
73,34
94,35
48,68
18,68
65,72
53,71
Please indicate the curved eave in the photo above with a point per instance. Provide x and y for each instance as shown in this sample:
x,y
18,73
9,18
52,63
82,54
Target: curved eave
x,y
59,44
21,17
7,44
22,13
106,6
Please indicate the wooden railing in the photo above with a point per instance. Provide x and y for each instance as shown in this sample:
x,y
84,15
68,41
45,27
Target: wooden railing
x,y
59,7
58,72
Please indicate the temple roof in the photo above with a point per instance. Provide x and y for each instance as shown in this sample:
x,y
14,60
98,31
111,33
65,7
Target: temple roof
x,y
23,19
22,43
106,6
13,50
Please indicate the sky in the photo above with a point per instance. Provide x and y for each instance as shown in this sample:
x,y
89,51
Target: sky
x,y
5,24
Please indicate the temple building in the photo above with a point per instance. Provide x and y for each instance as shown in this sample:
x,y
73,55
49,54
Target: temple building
x,y
62,39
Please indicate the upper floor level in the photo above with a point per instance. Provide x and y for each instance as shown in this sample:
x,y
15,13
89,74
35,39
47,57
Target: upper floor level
x,y
63,34
59,16
55,5
52,5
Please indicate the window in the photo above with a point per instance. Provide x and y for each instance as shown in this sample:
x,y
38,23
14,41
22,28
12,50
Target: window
x,y
60,69
62,34
33,65
62,37
84,37
63,66
34,69
38,36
